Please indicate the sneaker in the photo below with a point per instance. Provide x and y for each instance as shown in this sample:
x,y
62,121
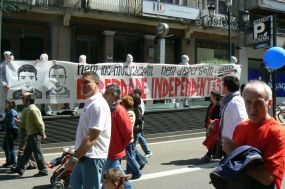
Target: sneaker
x,y
142,166
6,164
148,155
49,113
17,170
205,159
30,167
41,174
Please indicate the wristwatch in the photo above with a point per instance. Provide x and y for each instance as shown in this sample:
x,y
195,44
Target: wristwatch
x,y
74,159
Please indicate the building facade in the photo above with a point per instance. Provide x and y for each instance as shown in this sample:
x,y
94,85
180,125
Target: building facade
x,y
108,30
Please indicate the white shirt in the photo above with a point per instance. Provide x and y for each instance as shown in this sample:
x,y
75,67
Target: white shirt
x,y
234,113
142,106
96,115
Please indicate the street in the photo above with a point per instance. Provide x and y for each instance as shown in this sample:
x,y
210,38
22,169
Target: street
x,y
174,164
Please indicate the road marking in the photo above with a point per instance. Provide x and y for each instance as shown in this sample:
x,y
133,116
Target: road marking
x,y
153,143
179,140
174,172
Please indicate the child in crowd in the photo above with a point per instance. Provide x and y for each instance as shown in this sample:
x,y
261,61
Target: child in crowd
x,y
114,179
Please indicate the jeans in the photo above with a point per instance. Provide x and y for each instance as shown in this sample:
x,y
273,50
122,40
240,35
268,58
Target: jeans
x,y
116,163
132,164
8,147
140,138
87,173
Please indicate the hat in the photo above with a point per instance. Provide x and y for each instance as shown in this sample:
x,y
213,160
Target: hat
x,y
114,89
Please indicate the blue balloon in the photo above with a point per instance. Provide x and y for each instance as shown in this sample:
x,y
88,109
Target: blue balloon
x,y
274,58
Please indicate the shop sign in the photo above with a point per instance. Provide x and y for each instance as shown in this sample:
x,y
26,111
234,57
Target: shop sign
x,y
154,9
263,32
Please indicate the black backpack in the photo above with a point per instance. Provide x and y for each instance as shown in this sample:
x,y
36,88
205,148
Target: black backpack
x,y
139,123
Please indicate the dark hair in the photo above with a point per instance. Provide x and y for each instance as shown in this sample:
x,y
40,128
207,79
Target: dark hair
x,y
217,95
93,75
114,90
30,98
232,83
127,102
27,68
11,103
138,91
137,100
57,67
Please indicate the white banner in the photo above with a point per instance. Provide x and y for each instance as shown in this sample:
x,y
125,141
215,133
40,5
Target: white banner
x,y
59,82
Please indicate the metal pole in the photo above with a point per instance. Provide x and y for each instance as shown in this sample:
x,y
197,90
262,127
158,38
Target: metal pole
x,y
1,12
273,73
229,33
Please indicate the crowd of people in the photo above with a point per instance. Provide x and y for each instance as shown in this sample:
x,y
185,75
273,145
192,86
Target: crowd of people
x,y
110,127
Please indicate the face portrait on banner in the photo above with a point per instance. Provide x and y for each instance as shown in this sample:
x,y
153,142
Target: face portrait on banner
x,y
57,78
27,77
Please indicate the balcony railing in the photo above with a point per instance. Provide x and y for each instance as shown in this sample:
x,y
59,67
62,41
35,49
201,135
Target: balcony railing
x,y
133,7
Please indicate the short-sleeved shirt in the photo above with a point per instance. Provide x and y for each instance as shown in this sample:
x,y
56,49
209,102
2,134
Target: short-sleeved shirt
x,y
234,113
269,138
96,115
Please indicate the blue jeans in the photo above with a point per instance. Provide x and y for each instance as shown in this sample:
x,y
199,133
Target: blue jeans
x,y
8,147
132,164
116,163
87,174
140,138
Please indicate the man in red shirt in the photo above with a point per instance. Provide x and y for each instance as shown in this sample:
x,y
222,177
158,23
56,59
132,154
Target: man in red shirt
x,y
262,132
121,133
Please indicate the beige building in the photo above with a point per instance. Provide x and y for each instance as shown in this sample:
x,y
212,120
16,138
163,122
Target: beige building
x,y
108,30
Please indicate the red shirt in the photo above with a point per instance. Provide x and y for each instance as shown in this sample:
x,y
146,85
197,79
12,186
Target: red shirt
x,y
121,133
269,138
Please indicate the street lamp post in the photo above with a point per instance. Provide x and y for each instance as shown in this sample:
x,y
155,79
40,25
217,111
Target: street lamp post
x,y
229,6
245,19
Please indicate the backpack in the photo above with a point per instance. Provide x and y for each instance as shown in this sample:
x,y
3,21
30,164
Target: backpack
x,y
139,123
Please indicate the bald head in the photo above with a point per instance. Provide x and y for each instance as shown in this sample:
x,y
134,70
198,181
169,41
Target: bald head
x,y
259,87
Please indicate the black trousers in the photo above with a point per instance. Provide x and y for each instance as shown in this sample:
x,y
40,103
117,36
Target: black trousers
x,y
33,147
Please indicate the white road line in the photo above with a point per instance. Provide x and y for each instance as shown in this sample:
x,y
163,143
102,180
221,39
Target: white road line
x,y
154,143
174,172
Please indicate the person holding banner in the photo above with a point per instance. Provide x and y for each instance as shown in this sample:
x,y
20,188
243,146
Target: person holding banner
x,y
129,59
4,86
184,60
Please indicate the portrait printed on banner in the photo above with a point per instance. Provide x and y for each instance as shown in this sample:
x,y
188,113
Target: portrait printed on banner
x,y
57,78
27,77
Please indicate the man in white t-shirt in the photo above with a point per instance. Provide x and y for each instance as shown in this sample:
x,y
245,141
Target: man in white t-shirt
x,y
232,106
92,137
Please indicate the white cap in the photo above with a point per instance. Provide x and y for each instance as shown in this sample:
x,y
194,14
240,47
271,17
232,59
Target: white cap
x,y
129,58
44,57
82,59
7,54
233,60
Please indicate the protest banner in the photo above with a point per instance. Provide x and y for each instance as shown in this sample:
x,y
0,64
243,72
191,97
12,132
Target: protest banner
x,y
59,81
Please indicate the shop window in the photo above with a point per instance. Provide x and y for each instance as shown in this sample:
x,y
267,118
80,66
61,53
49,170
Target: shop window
x,y
206,51
128,44
31,47
89,46
220,5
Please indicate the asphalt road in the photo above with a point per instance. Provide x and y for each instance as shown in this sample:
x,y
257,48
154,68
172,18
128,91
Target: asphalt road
x,y
175,164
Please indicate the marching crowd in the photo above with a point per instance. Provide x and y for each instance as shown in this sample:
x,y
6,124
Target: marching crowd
x,y
110,126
